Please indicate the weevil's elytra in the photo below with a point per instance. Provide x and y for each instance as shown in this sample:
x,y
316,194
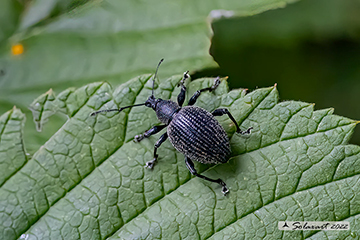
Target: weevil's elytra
x,y
192,130
205,143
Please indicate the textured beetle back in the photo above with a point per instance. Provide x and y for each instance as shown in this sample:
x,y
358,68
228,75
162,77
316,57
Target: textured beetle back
x,y
198,135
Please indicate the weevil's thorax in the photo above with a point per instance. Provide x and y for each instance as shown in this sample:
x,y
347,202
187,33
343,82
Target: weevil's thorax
x,y
165,110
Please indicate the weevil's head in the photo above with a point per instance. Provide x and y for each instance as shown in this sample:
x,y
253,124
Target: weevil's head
x,y
151,102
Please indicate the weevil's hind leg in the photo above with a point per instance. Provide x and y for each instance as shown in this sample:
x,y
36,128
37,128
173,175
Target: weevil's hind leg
x,y
190,166
181,96
162,139
149,132
222,111
198,92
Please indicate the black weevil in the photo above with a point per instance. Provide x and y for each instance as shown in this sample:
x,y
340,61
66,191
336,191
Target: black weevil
x,y
192,130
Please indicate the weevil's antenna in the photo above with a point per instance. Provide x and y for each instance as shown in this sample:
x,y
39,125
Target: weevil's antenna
x,y
115,109
152,93
136,105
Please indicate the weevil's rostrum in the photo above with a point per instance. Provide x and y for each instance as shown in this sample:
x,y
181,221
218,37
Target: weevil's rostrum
x,y
192,130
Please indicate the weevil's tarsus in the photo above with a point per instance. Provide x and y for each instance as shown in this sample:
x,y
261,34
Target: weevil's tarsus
x,y
224,190
185,76
150,164
216,84
246,132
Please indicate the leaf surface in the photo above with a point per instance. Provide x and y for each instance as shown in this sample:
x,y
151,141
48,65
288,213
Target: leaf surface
x,y
88,181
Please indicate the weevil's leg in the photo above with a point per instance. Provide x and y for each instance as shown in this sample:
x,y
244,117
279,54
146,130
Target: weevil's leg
x,y
198,92
181,96
162,139
148,133
190,166
222,111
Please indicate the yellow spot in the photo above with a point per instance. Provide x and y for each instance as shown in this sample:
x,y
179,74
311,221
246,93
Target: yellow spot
x,y
17,49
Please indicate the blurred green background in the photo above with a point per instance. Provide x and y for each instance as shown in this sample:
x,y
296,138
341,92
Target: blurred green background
x,y
311,49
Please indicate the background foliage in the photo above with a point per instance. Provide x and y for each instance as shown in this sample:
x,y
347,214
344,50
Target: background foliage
x,y
310,48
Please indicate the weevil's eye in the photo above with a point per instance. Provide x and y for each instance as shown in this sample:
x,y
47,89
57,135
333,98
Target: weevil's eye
x,y
147,104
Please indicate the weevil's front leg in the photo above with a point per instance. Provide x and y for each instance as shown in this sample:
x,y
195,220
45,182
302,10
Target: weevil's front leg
x,y
148,133
198,92
162,139
190,166
222,111
181,96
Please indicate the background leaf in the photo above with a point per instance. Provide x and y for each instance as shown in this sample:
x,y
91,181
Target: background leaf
x,y
9,17
88,181
310,48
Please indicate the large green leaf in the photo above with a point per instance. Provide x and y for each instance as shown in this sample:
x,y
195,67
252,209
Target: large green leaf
x,y
9,17
88,181
74,42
